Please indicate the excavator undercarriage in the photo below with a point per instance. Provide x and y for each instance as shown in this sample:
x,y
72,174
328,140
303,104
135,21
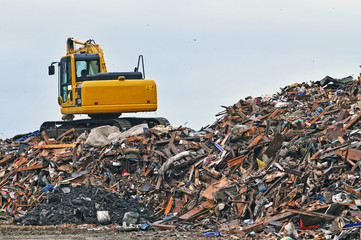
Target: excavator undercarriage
x,y
55,129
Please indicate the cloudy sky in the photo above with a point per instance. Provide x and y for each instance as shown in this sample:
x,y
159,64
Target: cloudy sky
x,y
202,53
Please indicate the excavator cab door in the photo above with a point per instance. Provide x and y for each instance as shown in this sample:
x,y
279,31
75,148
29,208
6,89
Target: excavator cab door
x,y
65,83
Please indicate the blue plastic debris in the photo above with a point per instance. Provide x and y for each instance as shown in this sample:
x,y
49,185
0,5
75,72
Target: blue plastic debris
x,y
262,190
352,225
196,133
48,188
340,91
319,110
35,134
168,217
144,227
248,221
219,147
301,138
320,197
212,234
298,120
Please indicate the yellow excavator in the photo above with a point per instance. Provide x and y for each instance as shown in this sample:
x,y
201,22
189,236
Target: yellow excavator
x,y
85,87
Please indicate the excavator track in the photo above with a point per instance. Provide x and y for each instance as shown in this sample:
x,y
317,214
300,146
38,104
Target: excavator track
x,y
54,129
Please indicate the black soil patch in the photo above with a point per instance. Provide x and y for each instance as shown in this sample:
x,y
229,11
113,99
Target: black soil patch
x,y
80,206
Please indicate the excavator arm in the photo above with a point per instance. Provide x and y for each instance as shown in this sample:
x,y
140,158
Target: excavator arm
x,y
88,46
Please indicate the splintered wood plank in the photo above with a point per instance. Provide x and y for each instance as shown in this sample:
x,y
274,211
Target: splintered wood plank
x,y
7,159
351,190
171,144
5,180
255,141
276,112
196,177
159,183
39,166
196,210
164,226
169,205
55,146
192,213
234,161
19,162
311,214
314,156
66,133
351,123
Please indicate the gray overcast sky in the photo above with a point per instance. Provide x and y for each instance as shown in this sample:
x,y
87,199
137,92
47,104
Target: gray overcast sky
x,y
202,54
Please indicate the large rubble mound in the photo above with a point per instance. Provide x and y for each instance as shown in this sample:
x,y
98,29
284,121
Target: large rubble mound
x,y
282,165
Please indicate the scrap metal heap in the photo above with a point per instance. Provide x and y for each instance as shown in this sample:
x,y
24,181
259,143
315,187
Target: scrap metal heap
x,y
282,165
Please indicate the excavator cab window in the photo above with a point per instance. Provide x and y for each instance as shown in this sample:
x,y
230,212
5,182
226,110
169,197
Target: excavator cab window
x,y
86,66
65,84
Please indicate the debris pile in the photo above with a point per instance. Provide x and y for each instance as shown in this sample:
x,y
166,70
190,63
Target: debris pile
x,y
282,165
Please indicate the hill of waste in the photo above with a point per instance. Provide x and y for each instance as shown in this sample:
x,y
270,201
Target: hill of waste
x,y
282,165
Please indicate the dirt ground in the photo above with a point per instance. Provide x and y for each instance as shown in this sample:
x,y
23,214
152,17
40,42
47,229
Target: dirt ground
x,y
9,231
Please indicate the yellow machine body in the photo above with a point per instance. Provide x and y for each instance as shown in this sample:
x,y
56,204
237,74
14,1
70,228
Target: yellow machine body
x,y
112,96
